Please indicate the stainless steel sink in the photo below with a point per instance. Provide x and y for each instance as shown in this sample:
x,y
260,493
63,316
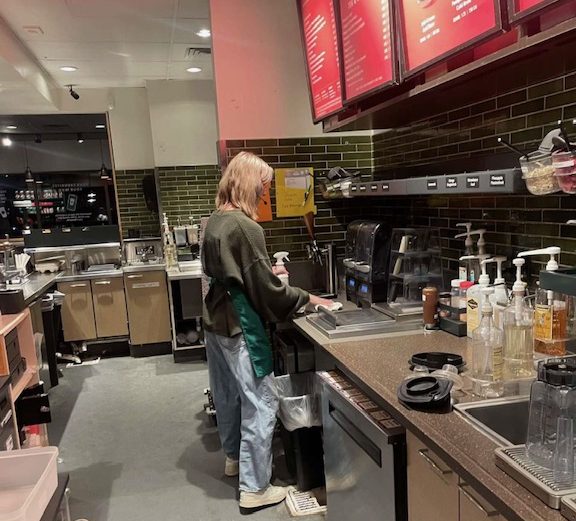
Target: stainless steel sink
x,y
504,420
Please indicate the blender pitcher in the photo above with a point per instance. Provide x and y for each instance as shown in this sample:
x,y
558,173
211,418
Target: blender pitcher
x,y
550,440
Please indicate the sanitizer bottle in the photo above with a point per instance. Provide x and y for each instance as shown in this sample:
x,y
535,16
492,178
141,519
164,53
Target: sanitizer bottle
x,y
280,257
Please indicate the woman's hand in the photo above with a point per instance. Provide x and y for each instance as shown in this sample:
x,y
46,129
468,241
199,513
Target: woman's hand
x,y
317,301
280,270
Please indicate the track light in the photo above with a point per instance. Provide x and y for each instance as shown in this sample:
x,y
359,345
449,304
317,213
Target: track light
x,y
38,138
104,176
29,177
80,137
73,93
104,173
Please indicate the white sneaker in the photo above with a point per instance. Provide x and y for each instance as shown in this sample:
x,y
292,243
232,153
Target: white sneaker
x,y
232,467
250,501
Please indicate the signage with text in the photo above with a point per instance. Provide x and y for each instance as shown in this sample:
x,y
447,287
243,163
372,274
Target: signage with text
x,y
318,24
367,46
432,30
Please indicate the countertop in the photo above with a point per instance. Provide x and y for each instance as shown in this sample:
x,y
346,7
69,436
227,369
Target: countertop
x,y
176,274
38,283
380,363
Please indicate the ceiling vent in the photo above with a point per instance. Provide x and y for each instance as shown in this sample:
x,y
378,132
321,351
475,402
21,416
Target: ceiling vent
x,y
192,52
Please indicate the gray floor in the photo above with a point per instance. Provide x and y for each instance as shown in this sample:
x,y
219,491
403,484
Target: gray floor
x,y
134,437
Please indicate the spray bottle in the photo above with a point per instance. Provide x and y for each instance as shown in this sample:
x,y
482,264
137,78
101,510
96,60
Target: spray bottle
x,y
550,311
499,298
518,320
280,257
474,295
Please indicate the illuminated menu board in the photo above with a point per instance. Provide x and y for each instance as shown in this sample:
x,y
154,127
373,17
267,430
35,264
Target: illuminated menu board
x,y
432,30
367,46
318,22
519,9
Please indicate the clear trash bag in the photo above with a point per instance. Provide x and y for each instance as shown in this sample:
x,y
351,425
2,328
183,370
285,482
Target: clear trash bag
x,y
299,404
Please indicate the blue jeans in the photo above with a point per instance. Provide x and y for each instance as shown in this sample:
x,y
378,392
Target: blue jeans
x,y
246,409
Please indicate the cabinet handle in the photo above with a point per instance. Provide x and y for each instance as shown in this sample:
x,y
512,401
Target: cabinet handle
x,y
78,285
435,467
102,283
476,503
134,276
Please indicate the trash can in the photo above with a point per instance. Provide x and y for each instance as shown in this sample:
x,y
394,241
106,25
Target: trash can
x,y
300,428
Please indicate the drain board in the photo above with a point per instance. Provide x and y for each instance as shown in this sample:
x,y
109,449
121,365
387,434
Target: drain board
x,y
342,324
568,507
537,479
301,504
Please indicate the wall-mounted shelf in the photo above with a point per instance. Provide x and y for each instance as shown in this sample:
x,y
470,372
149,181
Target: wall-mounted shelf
x,y
505,181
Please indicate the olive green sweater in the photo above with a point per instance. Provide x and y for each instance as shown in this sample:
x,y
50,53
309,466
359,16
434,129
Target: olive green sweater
x,y
234,252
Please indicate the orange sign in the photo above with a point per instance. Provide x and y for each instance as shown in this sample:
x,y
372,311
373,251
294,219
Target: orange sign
x,y
265,208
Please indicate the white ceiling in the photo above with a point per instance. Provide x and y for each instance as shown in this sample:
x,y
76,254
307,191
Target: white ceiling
x,y
114,43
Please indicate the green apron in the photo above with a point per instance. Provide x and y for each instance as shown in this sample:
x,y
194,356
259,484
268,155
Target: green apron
x,y
255,335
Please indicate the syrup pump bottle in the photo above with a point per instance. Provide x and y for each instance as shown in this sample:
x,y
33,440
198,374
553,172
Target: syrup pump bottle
x,y
518,321
550,311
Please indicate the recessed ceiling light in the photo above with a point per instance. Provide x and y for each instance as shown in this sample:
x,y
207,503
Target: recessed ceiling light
x,y
11,127
80,137
100,125
6,141
68,68
194,69
204,33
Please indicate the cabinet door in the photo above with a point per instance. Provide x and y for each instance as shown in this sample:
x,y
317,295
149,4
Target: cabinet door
x,y
77,311
110,307
432,485
148,308
473,507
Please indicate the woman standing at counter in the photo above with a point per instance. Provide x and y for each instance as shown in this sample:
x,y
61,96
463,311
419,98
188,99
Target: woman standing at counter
x,y
244,293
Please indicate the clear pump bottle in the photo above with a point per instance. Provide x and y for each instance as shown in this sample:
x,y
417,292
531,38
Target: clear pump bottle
x,y
474,296
499,298
518,320
551,312
487,359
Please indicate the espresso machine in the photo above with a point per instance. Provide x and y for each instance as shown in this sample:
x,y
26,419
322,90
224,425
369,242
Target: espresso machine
x,y
350,259
366,262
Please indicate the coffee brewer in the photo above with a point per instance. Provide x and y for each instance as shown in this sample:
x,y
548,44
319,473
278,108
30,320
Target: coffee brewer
x,y
366,262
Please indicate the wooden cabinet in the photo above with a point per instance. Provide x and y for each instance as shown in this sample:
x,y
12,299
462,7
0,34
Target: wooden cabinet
x,y
437,493
78,311
148,307
432,486
109,307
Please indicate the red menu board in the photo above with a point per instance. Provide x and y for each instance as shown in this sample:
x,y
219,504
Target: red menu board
x,y
368,54
519,9
432,30
318,22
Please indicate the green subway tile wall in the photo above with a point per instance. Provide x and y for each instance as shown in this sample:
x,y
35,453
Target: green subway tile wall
x,y
188,191
322,153
522,117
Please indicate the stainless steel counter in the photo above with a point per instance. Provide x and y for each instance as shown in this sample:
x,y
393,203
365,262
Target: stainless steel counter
x,y
183,275
68,276
38,283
